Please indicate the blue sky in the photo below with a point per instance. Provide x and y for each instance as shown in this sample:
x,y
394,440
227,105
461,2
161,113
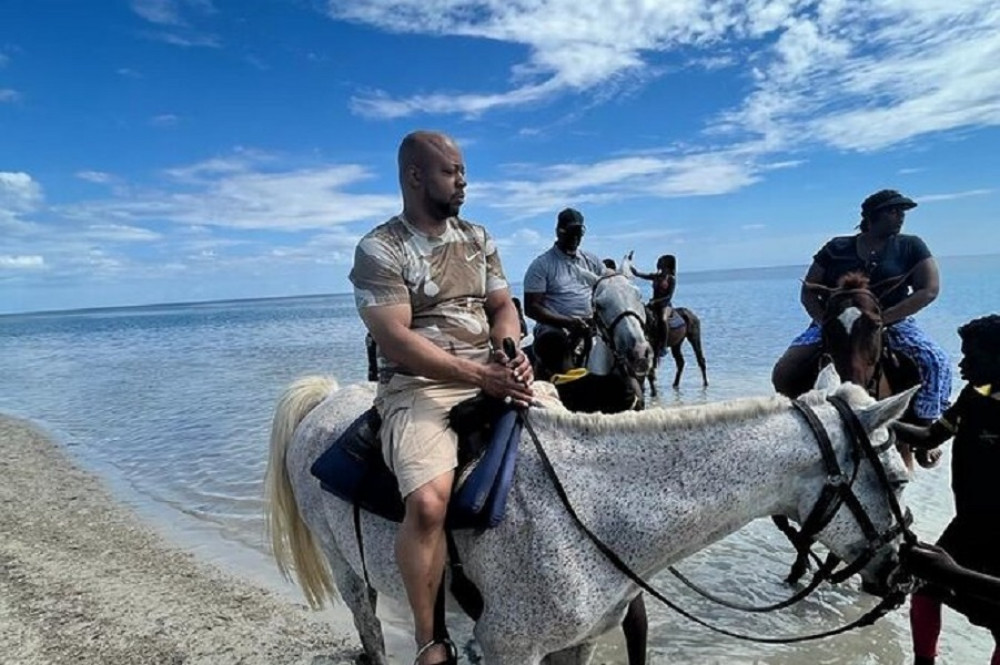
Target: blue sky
x,y
179,150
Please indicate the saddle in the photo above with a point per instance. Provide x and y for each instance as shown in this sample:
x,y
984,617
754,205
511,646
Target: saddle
x,y
489,431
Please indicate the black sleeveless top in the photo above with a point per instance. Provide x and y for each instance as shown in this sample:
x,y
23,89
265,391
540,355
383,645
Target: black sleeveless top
x,y
839,256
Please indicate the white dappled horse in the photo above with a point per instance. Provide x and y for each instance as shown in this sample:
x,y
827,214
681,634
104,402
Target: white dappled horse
x,y
655,486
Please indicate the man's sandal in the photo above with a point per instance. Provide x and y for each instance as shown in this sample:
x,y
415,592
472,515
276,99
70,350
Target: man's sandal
x,y
452,658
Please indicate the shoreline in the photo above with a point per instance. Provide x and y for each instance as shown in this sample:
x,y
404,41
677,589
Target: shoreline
x,y
84,580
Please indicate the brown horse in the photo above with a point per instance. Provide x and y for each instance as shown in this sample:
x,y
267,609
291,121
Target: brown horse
x,y
853,340
662,337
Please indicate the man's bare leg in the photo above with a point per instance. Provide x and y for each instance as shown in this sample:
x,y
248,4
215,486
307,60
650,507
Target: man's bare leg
x,y
420,555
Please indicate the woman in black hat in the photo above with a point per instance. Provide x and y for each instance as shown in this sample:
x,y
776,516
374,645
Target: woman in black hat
x,y
881,252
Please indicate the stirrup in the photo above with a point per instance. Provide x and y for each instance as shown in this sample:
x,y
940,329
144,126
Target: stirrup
x,y
452,658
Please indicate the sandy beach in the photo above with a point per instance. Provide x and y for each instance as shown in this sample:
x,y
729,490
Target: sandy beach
x,y
82,580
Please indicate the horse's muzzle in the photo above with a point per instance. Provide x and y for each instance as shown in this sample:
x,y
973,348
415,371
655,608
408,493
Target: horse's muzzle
x,y
886,577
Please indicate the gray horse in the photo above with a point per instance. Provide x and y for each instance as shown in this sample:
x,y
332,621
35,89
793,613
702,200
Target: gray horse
x,y
655,486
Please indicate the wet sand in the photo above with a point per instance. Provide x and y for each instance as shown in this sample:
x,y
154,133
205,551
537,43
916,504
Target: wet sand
x,y
83,580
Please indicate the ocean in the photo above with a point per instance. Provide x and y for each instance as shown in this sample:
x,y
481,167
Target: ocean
x,y
171,405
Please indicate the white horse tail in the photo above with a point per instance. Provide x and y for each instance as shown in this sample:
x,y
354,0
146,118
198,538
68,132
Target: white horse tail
x,y
292,544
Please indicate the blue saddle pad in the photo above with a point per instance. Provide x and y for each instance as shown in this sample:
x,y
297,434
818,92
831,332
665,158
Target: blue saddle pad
x,y
353,469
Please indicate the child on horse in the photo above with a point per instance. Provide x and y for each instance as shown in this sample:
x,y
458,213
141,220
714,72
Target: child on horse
x,y
664,283
971,537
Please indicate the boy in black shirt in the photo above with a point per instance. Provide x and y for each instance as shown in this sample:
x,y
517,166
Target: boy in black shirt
x,y
972,536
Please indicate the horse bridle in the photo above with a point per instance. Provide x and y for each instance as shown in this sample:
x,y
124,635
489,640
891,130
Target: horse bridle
x,y
607,330
840,294
837,491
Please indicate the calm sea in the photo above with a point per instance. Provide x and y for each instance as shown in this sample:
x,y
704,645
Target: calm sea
x,y
171,404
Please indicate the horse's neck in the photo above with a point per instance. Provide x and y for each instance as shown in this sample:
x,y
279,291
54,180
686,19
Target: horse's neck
x,y
665,494
601,360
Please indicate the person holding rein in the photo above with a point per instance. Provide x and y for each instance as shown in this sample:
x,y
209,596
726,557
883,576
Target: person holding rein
x,y
432,293
972,536
883,253
558,298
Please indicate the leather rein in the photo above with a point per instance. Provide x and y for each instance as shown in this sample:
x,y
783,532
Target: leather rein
x,y
607,330
837,492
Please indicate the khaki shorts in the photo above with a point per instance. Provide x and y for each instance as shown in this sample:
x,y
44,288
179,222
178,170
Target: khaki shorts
x,y
417,443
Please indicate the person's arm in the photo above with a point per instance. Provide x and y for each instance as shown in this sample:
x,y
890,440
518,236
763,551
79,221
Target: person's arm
x,y
929,436
644,275
935,565
812,299
926,285
389,325
535,308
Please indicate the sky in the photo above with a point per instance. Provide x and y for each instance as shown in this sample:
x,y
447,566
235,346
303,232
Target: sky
x,y
186,150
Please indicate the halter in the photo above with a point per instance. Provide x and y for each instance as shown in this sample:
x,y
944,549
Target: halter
x,y
837,491
606,331
840,294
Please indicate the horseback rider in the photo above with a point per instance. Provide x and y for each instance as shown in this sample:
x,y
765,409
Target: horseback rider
x,y
558,298
908,275
431,290
664,282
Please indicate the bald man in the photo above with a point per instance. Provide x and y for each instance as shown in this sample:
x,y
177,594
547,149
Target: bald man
x,y
431,290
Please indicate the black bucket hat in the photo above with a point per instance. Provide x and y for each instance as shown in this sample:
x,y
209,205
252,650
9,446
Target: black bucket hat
x,y
886,198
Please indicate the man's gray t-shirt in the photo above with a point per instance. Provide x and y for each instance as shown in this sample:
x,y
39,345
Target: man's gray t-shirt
x,y
555,274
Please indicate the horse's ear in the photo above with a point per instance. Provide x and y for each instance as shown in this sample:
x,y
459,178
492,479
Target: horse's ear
x,y
588,277
886,410
625,268
828,379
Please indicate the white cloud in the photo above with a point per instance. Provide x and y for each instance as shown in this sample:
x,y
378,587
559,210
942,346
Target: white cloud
x,y
19,193
164,120
168,12
662,174
97,177
120,233
19,262
230,192
860,76
9,96
171,15
128,73
4,59
951,196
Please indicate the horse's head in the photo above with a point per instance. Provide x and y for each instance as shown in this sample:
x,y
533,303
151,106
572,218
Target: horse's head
x,y
852,328
853,503
620,317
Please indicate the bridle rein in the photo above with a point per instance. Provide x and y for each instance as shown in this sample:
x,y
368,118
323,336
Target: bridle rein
x,y
838,491
606,331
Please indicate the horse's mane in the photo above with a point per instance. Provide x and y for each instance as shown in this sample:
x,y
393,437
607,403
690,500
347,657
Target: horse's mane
x,y
690,417
853,280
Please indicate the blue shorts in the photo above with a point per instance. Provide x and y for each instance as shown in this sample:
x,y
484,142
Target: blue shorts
x,y
907,338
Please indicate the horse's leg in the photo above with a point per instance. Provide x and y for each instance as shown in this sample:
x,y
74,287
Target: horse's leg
x,y
361,600
675,350
578,655
636,629
694,337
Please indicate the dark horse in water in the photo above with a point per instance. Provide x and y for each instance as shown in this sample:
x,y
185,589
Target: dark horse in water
x,y
663,336
853,339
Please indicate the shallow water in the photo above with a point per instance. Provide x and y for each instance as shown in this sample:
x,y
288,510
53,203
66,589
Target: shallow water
x,y
172,405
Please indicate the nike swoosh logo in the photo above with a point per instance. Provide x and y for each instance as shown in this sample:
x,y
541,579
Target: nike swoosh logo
x,y
471,256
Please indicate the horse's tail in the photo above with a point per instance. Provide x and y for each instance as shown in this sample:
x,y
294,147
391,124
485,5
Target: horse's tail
x,y
292,544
